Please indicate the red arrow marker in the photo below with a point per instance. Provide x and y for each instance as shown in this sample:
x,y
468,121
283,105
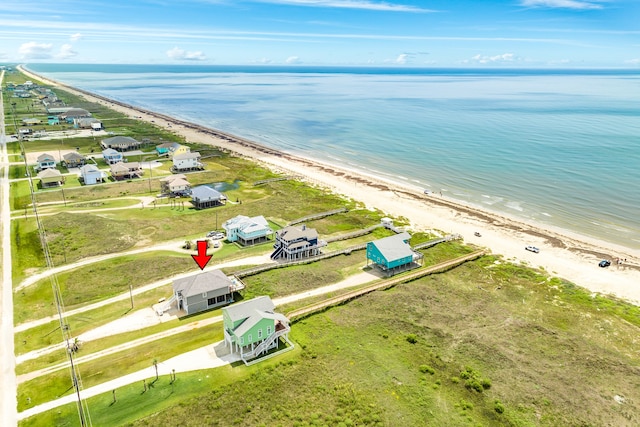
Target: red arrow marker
x,y
202,258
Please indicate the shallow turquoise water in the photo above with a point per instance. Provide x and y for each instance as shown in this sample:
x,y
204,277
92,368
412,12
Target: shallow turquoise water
x,y
557,147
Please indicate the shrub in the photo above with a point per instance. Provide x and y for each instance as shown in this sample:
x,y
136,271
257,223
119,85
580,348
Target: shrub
x,y
412,338
486,384
472,384
498,407
426,369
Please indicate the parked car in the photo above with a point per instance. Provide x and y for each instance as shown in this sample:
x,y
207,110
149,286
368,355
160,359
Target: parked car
x,y
604,263
216,244
532,249
216,235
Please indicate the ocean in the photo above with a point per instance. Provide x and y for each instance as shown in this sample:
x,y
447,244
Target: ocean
x,y
558,147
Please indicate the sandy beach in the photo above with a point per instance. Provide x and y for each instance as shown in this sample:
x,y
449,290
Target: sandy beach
x,y
562,253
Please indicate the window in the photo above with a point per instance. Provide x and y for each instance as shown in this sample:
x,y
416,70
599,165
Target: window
x,y
221,298
259,333
241,340
268,330
249,338
211,301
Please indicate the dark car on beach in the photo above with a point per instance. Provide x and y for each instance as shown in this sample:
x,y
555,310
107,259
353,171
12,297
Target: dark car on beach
x,y
604,263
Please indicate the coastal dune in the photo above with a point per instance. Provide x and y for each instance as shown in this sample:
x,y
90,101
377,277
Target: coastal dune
x,y
564,254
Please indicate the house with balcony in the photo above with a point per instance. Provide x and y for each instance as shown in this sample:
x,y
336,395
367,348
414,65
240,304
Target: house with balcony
x,y
91,175
130,170
175,185
296,242
203,197
74,113
73,159
121,143
203,291
393,254
187,162
252,328
112,156
50,178
45,161
247,231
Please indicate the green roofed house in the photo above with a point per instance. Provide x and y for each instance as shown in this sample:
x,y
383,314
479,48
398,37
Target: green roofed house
x,y
252,327
393,254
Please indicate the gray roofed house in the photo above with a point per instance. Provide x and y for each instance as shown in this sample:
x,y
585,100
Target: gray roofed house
x,y
253,327
203,197
112,156
203,291
121,143
74,159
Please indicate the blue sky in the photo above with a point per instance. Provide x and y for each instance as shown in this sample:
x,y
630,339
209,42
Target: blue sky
x,y
426,33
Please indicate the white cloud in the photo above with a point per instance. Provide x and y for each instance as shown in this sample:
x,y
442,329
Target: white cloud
x,y
263,61
351,4
402,58
635,61
293,60
494,59
563,4
181,54
66,51
75,37
33,50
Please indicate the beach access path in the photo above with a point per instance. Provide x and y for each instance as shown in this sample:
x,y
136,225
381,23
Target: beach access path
x,y
8,391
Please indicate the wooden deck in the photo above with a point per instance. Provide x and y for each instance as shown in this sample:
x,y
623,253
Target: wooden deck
x,y
300,313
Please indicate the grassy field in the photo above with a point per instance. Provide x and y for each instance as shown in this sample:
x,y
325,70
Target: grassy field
x,y
484,344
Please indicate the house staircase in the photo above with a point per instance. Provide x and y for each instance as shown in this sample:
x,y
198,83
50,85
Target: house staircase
x,y
166,306
276,254
264,345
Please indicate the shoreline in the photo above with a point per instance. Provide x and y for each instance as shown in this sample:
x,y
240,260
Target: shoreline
x,y
563,253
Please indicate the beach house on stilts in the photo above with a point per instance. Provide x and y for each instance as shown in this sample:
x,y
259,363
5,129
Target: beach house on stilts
x,y
393,254
293,242
252,328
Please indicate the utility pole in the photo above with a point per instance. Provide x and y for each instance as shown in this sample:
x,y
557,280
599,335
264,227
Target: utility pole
x,y
131,294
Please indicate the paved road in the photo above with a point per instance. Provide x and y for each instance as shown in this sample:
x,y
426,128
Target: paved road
x,y
8,391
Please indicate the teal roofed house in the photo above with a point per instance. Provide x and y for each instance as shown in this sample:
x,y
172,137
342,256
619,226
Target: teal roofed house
x,y
393,254
253,328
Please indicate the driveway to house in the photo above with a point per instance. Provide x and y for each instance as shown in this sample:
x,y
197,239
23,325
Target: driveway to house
x,y
8,390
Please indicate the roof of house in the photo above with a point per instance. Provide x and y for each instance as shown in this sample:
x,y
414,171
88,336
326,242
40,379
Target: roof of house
x,y
247,224
165,145
171,178
49,173
186,156
87,120
204,192
245,309
201,283
117,140
111,152
89,169
394,247
45,158
178,183
293,232
76,112
74,155
119,167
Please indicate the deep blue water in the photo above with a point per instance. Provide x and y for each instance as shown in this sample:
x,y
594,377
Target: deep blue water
x,y
561,147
